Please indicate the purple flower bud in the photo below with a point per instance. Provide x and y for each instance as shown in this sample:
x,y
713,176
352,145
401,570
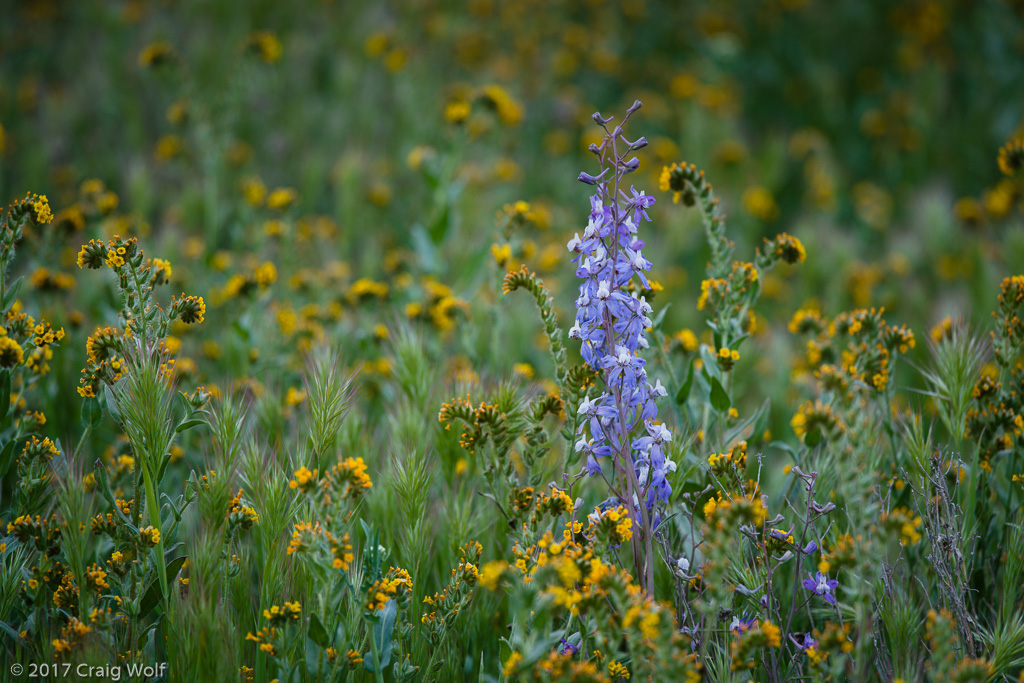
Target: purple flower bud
x,y
636,105
805,642
631,165
600,120
810,548
595,149
585,177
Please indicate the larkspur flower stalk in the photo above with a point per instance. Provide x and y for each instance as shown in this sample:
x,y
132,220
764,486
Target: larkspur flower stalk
x,y
610,324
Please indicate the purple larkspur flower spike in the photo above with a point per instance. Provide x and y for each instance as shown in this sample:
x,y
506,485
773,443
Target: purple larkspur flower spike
x,y
611,322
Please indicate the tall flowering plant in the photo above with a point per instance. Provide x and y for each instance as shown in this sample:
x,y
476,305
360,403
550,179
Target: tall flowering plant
x,y
619,433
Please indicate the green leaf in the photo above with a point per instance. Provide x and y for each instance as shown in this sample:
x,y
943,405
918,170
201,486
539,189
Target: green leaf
x,y
15,636
440,224
737,431
111,401
12,293
317,632
719,398
782,446
711,368
426,252
162,466
761,419
175,510
5,392
383,630
6,456
92,412
656,324
153,596
242,331
684,391
188,424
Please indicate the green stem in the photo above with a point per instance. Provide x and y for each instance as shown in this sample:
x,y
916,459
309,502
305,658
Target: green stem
x,y
377,673
81,441
138,293
3,277
154,519
226,558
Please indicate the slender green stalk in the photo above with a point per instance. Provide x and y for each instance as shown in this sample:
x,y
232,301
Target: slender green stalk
x,y
377,673
154,519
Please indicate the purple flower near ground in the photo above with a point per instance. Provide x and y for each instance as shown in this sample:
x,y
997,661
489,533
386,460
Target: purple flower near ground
x,y
569,648
822,585
742,625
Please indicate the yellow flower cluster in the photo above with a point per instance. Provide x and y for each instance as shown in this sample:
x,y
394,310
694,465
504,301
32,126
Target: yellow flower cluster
x,y
687,340
279,615
727,358
304,534
156,54
613,526
393,583
815,414
724,463
239,514
509,111
149,536
41,210
902,523
264,638
341,550
1011,156
347,480
266,45
747,644
11,353
47,280
304,479
96,578
617,670
365,288
728,513
70,635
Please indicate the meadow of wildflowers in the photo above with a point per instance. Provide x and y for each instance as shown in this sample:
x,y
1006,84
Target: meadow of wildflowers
x,y
612,340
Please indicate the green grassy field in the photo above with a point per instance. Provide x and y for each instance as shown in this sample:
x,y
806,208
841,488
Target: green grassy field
x,y
321,364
